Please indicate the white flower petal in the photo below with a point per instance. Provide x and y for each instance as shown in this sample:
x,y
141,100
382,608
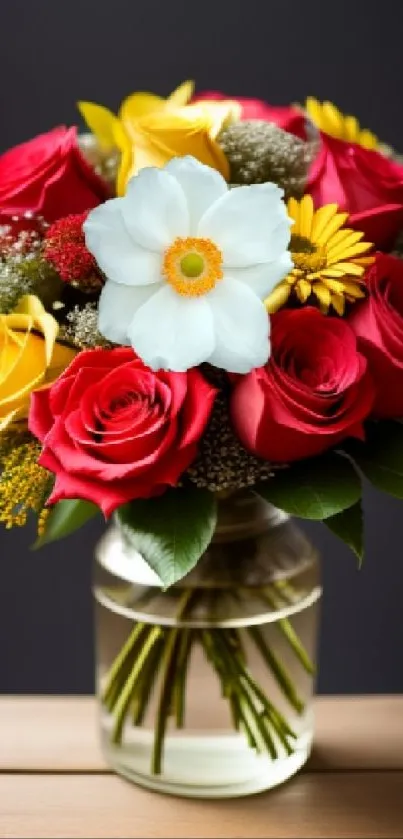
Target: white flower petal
x,y
249,224
264,277
118,256
241,327
155,209
172,332
117,306
201,184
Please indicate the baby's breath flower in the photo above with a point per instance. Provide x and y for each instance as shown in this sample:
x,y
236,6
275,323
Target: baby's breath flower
x,y
260,151
81,328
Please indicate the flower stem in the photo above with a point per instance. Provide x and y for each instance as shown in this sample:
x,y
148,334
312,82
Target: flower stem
x,y
126,694
184,651
282,677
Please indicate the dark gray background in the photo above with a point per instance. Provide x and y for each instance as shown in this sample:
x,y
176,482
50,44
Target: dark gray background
x,y
53,53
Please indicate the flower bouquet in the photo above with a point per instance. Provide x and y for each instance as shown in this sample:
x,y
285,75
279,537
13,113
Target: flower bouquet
x,y
201,335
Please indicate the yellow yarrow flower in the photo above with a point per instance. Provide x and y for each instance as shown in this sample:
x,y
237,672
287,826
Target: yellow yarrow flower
x,y
29,356
150,130
329,259
24,485
331,121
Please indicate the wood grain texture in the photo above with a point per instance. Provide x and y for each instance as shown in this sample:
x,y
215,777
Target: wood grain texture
x,y
104,807
55,785
39,734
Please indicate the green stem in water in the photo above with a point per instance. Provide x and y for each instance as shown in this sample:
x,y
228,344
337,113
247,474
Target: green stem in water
x,y
147,681
124,656
168,681
279,672
168,665
285,626
235,675
127,691
184,651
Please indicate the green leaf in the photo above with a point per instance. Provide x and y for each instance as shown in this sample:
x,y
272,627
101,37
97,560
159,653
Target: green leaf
x,y
64,518
172,531
316,488
380,458
349,527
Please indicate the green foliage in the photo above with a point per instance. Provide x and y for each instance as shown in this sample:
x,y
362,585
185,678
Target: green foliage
x,y
349,526
66,517
316,489
380,457
172,531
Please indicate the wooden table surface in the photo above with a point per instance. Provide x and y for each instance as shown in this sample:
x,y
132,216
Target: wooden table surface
x,y
54,783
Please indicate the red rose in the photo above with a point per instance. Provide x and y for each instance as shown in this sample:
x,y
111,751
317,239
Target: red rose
x,y
314,391
362,182
48,175
378,324
285,116
113,430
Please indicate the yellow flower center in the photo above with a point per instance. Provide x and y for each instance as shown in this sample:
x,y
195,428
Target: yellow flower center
x,y
306,256
192,266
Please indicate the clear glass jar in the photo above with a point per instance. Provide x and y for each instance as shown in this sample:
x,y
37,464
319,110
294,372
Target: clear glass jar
x,y
206,689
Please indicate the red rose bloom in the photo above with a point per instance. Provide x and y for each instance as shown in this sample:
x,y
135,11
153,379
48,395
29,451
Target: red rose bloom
x,y
362,182
285,116
113,430
48,175
314,392
378,324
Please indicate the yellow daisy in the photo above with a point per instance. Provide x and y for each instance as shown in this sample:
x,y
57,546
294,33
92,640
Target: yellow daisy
x,y
329,259
329,119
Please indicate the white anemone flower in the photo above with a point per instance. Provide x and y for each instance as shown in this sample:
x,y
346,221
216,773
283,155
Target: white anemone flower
x,y
188,263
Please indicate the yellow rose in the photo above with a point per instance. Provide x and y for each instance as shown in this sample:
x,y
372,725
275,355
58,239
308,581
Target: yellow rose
x,y
149,130
30,357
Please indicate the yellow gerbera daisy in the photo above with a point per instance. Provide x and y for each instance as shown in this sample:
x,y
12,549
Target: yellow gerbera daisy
x,y
149,130
329,259
329,119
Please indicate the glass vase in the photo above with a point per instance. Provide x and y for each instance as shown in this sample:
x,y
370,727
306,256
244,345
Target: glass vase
x,y
206,689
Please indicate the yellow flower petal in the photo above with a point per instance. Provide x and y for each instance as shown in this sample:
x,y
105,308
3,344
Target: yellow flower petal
x,y
368,140
332,120
293,212
333,225
303,290
355,250
322,293
327,117
364,260
354,289
306,216
61,358
351,129
100,121
333,284
344,237
278,298
322,218
182,94
349,268
27,359
139,105
32,306
338,303
174,134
